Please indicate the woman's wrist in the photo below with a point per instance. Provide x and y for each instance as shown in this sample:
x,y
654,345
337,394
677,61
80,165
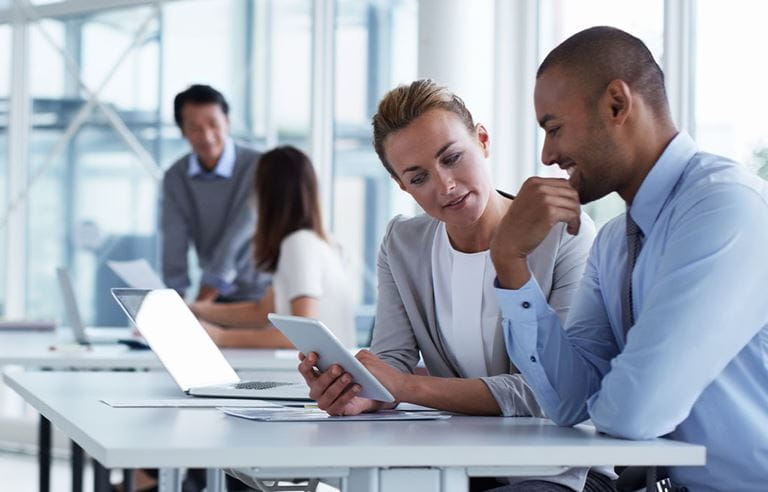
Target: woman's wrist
x,y
409,386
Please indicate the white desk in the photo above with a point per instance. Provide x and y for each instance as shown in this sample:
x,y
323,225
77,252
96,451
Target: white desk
x,y
439,455
32,350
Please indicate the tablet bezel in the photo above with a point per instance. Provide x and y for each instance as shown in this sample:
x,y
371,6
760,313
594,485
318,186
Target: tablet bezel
x,y
311,335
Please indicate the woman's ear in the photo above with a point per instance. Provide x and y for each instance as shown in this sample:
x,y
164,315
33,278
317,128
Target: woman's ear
x,y
483,138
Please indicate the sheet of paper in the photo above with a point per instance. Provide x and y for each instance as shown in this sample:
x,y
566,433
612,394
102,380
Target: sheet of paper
x,y
191,403
284,414
412,407
138,274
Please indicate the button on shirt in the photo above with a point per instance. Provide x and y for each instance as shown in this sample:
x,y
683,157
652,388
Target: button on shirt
x,y
694,366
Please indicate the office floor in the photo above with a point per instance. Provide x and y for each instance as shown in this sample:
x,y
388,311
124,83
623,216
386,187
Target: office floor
x,y
18,473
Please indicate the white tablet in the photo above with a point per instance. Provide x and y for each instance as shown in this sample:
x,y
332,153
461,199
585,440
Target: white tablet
x,y
310,335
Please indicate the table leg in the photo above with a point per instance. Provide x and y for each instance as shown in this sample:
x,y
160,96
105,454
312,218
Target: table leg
x,y
169,480
128,480
454,480
78,462
650,479
100,478
44,454
361,479
215,480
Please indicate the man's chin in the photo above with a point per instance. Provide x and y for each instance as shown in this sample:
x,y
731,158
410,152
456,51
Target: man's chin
x,y
588,196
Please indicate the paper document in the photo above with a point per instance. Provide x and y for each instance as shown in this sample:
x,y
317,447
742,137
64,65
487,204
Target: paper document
x,y
412,407
190,403
315,414
138,274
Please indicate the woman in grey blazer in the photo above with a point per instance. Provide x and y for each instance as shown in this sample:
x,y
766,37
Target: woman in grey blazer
x,y
434,272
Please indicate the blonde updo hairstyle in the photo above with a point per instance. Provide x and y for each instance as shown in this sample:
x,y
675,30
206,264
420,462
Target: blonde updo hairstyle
x,y
403,104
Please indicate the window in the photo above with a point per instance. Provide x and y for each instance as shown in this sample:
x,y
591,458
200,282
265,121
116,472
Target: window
x,y
93,187
729,83
559,19
376,46
259,54
5,91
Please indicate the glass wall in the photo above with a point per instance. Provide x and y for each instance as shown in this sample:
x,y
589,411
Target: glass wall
x,y
93,196
5,91
375,50
259,54
559,19
730,102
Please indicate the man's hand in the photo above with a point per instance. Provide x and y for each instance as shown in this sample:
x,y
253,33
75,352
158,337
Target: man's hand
x,y
539,206
333,390
207,293
216,332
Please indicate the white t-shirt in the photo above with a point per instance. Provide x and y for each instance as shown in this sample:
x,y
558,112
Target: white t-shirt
x,y
309,266
466,306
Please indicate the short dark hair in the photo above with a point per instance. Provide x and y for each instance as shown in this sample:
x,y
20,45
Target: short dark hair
x,y
601,54
198,94
288,200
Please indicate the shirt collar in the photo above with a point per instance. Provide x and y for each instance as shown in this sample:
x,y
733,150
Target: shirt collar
x,y
661,180
224,167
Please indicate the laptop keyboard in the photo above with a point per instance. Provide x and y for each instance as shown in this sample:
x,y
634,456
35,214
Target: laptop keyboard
x,y
259,385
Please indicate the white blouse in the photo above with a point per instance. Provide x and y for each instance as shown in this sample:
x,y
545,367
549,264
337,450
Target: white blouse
x,y
309,266
467,309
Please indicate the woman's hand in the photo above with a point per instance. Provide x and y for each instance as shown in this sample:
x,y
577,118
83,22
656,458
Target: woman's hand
x,y
216,332
395,381
333,390
200,308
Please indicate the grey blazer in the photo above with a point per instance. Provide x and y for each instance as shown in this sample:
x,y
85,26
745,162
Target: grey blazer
x,y
406,321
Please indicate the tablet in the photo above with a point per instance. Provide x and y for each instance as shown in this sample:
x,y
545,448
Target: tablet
x,y
310,335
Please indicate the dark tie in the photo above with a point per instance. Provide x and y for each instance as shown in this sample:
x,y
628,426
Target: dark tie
x,y
634,237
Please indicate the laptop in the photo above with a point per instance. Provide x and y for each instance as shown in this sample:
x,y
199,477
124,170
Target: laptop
x,y
183,346
89,336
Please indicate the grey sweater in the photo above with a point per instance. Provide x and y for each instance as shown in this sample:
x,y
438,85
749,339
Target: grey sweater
x,y
216,217
406,322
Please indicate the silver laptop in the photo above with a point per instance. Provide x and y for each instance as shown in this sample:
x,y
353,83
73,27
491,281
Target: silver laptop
x,y
90,336
188,353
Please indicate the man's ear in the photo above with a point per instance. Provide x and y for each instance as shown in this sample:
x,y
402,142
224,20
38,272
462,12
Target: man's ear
x,y
484,138
619,101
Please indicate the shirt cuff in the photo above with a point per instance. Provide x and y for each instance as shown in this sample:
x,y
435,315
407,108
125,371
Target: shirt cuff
x,y
524,304
225,288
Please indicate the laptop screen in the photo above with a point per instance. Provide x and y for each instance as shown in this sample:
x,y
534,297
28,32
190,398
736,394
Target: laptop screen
x,y
176,337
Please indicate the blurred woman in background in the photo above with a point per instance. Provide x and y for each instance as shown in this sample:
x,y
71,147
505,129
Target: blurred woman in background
x,y
290,242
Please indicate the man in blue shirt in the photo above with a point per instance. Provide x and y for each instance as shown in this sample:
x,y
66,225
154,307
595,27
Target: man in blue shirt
x,y
205,203
668,333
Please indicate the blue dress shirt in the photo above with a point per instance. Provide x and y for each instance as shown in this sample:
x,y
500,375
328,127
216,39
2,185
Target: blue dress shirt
x,y
223,168
694,367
